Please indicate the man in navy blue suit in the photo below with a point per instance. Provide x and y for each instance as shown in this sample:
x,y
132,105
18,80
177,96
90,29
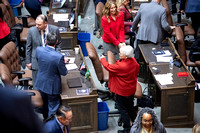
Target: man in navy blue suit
x,y
51,66
59,123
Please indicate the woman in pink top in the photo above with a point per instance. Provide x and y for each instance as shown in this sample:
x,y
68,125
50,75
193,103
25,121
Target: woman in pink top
x,y
113,29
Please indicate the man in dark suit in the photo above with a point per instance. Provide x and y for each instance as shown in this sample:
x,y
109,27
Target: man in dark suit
x,y
36,37
51,66
16,113
59,123
33,7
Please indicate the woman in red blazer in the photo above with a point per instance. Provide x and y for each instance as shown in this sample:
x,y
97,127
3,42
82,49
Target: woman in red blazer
x,y
113,29
122,81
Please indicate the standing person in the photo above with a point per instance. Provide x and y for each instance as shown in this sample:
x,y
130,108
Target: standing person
x,y
147,122
51,66
113,29
99,5
152,23
122,82
36,37
192,9
33,7
59,124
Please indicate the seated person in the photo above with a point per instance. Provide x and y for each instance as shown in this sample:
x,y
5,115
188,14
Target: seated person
x,y
195,48
147,122
123,7
59,123
4,31
122,81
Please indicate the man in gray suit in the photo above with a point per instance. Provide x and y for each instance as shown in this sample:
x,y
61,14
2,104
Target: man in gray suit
x,y
152,18
36,37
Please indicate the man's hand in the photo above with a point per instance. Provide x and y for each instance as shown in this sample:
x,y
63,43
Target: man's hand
x,y
66,60
172,27
121,45
29,65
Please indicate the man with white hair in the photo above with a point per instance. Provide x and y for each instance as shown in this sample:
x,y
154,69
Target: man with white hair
x,y
122,81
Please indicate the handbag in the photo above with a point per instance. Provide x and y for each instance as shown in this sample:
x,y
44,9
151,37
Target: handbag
x,y
145,101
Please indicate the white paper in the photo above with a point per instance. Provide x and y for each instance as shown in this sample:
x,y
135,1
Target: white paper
x,y
71,66
163,58
164,79
60,17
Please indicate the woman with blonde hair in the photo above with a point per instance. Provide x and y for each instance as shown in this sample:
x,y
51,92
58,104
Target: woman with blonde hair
x,y
113,29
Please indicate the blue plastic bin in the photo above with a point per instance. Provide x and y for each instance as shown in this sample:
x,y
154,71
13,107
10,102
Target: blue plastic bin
x,y
103,112
83,38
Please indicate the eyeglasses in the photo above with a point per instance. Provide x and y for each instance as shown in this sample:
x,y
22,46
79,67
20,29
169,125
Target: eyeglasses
x,y
147,121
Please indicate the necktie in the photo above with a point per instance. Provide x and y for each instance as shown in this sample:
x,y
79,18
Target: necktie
x,y
44,36
64,129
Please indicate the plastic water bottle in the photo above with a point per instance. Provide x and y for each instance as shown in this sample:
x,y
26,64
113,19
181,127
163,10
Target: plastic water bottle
x,y
171,64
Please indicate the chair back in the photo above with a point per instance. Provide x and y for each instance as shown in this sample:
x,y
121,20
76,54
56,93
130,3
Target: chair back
x,y
10,57
8,16
5,75
92,53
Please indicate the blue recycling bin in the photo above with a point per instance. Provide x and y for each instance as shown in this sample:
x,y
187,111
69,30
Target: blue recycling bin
x,y
103,112
82,39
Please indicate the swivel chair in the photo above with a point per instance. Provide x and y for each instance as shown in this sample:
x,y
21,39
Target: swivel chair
x,y
101,73
6,78
26,20
10,57
21,32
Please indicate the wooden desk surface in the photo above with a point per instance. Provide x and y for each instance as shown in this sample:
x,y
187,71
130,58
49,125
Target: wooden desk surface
x,y
86,83
179,82
146,51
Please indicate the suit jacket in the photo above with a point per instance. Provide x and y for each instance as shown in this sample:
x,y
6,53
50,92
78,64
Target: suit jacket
x,y
192,6
34,39
153,20
16,113
50,68
52,126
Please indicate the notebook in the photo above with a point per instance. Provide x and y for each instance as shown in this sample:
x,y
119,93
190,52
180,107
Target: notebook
x,y
74,82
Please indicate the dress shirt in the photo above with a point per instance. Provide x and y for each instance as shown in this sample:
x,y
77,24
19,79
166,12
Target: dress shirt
x,y
42,36
61,125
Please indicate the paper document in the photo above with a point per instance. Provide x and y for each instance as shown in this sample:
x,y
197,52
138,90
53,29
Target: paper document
x,y
60,17
164,79
71,66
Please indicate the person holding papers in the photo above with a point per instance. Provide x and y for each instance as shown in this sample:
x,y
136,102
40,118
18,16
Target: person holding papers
x,y
51,66
36,37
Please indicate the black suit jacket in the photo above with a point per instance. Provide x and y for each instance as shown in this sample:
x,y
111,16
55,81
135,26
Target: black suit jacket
x,y
16,113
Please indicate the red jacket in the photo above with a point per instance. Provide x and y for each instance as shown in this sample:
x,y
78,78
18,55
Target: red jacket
x,y
122,76
4,29
113,32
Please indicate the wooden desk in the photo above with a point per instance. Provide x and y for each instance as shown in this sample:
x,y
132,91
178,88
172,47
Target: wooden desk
x,y
177,100
84,107
69,38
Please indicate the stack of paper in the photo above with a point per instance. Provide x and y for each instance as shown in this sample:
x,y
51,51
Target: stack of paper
x,y
164,79
163,55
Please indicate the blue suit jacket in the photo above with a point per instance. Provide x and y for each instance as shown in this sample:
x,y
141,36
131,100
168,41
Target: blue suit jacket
x,y
191,7
52,126
50,68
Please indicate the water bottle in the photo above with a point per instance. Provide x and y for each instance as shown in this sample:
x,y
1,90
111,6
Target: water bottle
x,y
171,64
